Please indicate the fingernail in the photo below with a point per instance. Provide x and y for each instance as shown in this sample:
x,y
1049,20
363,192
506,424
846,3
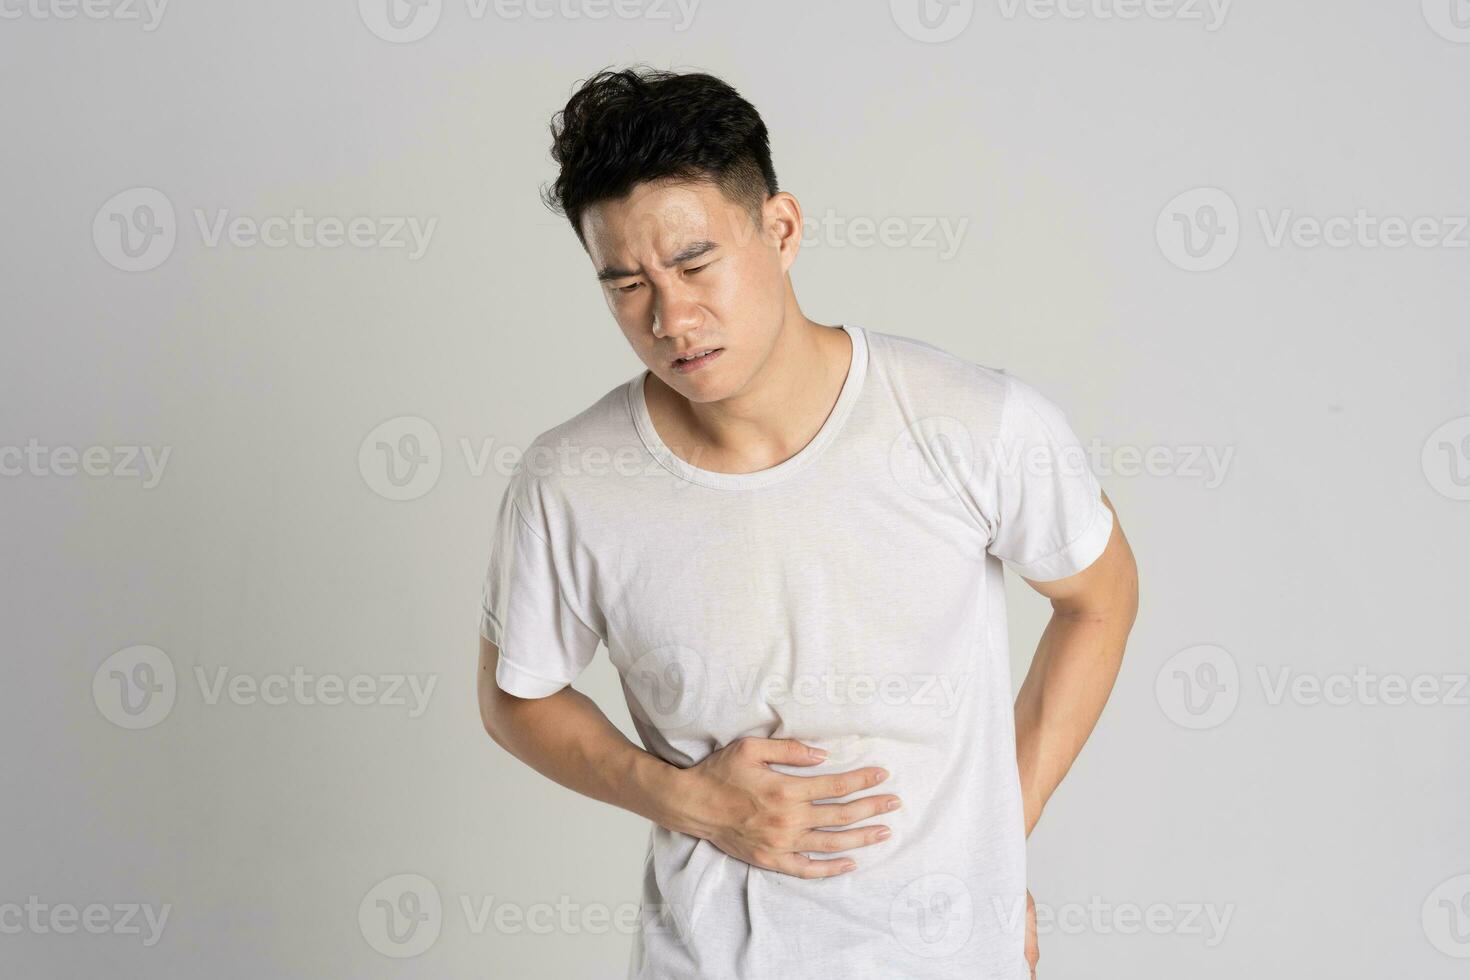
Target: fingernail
x,y
819,753
884,834
849,866
894,804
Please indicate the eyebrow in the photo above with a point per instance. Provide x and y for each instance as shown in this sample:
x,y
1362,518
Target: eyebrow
x,y
689,252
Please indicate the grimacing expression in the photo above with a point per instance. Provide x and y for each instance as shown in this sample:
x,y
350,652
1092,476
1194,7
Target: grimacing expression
x,y
684,269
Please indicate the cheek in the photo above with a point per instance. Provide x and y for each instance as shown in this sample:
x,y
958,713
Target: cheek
x,y
630,313
746,286
639,337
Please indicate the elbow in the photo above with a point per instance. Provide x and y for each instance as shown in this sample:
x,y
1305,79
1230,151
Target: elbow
x,y
1113,609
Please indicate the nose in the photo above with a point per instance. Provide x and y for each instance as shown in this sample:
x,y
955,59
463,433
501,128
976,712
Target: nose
x,y
675,313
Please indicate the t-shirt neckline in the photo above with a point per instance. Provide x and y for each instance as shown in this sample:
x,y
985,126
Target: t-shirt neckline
x,y
846,397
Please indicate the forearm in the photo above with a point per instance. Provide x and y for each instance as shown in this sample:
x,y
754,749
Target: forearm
x,y
568,739
1063,696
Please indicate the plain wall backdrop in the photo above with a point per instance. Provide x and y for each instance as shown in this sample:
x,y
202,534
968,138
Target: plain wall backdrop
x,y
1229,240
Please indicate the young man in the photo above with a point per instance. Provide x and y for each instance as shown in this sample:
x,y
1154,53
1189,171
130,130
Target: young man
x,y
791,539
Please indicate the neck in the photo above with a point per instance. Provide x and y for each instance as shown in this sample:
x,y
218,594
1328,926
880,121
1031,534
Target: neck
x,y
777,413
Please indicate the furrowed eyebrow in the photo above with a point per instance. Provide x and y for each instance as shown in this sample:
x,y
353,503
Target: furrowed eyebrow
x,y
688,253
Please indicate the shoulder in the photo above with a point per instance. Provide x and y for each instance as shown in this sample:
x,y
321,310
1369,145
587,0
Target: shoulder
x,y
928,379
586,445
919,360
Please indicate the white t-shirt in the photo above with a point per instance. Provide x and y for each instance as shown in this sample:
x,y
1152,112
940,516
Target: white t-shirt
x,y
851,597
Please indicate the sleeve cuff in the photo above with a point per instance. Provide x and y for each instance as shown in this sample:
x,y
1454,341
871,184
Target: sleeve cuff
x,y
1075,556
514,679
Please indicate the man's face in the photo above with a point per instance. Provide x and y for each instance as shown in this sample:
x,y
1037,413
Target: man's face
x,y
685,270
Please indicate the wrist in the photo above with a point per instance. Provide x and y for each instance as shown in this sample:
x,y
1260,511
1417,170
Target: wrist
x,y
670,799
1033,801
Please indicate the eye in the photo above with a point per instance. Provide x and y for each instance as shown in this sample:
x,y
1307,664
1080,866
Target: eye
x,y
629,288
697,268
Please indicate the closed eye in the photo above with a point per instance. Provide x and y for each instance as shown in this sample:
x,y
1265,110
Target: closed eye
x,y
629,288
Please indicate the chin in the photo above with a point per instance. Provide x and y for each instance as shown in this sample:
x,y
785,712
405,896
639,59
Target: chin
x,y
709,385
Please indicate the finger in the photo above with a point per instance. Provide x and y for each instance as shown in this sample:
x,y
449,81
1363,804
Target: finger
x,y
786,751
801,866
842,814
839,784
828,841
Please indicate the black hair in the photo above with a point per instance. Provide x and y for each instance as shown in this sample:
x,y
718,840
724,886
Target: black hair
x,y
623,127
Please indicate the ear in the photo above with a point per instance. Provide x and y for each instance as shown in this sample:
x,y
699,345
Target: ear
x,y
782,224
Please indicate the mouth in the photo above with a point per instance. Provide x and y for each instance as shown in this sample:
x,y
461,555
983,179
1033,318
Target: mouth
x,y
696,359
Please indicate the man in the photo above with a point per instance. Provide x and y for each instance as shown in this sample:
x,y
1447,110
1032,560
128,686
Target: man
x,y
791,538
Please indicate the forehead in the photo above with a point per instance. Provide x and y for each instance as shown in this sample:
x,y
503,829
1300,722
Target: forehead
x,y
658,218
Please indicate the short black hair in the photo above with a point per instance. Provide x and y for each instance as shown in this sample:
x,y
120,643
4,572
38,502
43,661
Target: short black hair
x,y
623,127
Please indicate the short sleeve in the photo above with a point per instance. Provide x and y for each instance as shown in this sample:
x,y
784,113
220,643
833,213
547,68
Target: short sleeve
x,y
533,606
1049,520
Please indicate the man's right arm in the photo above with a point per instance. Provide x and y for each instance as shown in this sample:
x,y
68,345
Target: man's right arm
x,y
732,798
567,738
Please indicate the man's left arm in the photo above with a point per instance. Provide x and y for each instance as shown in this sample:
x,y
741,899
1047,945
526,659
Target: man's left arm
x,y
1076,662
1071,677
